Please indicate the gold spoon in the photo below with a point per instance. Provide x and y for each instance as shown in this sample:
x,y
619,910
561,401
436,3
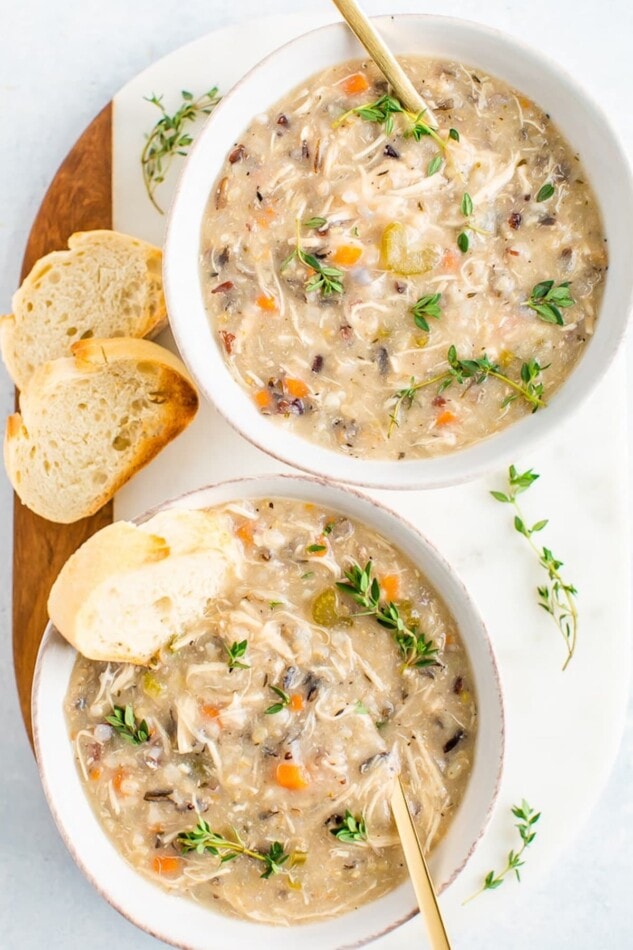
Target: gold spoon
x,y
384,59
418,870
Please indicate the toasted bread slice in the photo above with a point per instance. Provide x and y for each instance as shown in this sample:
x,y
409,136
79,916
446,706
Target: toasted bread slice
x,y
128,590
88,422
107,284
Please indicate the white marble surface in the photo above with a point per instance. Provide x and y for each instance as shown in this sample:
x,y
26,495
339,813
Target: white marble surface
x,y
59,65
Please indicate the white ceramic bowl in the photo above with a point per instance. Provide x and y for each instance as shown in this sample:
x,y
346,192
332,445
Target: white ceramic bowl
x,y
186,924
581,121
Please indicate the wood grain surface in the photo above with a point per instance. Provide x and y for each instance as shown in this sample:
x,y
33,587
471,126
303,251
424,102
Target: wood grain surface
x,y
78,199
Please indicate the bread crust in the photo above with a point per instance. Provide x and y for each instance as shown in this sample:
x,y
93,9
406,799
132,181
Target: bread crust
x,y
22,322
177,408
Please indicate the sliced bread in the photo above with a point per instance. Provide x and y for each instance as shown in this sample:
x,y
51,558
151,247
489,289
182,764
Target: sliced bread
x,y
107,284
129,589
88,422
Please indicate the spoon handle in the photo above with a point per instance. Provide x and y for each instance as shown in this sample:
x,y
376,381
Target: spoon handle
x,y
418,870
383,57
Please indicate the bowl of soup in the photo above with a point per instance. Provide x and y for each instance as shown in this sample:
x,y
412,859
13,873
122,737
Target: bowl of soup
x,y
240,782
398,300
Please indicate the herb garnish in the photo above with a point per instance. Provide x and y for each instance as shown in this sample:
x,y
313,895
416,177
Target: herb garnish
x,y
558,597
453,134
426,306
365,590
167,139
467,208
547,299
527,818
350,828
434,165
328,280
477,370
315,222
235,651
202,840
277,707
382,112
124,721
546,191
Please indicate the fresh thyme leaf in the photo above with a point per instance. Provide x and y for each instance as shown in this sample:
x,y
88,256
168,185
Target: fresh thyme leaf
x,y
547,299
453,134
203,840
426,306
462,242
167,139
277,707
315,222
382,112
557,598
527,818
545,192
304,577
467,206
316,548
364,589
124,722
328,280
235,652
275,603
434,165
329,527
350,829
459,370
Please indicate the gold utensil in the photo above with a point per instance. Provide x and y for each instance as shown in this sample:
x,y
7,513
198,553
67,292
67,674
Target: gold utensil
x,y
418,870
384,59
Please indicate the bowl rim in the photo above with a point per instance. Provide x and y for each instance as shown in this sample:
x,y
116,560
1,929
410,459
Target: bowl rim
x,y
425,473
426,548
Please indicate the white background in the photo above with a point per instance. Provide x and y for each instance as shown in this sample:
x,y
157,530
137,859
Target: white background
x,y
59,63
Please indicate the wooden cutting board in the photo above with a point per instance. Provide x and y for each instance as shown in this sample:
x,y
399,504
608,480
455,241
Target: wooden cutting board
x,y
78,199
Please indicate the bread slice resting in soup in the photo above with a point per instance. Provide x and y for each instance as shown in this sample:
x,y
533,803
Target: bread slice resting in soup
x,y
254,677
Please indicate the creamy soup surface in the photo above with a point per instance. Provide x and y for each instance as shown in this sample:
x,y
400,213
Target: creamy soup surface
x,y
279,723
473,226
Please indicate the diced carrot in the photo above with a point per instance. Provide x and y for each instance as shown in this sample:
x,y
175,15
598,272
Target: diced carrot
x,y
524,103
295,387
355,84
95,774
266,302
446,418
390,584
347,255
166,864
244,532
292,776
296,702
264,218
450,260
309,506
263,399
449,640
117,781
211,712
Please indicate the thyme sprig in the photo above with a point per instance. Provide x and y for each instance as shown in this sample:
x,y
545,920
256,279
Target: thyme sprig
x,y
557,598
203,840
350,829
548,299
529,387
234,654
428,306
283,701
382,112
324,278
168,139
527,818
416,650
124,722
